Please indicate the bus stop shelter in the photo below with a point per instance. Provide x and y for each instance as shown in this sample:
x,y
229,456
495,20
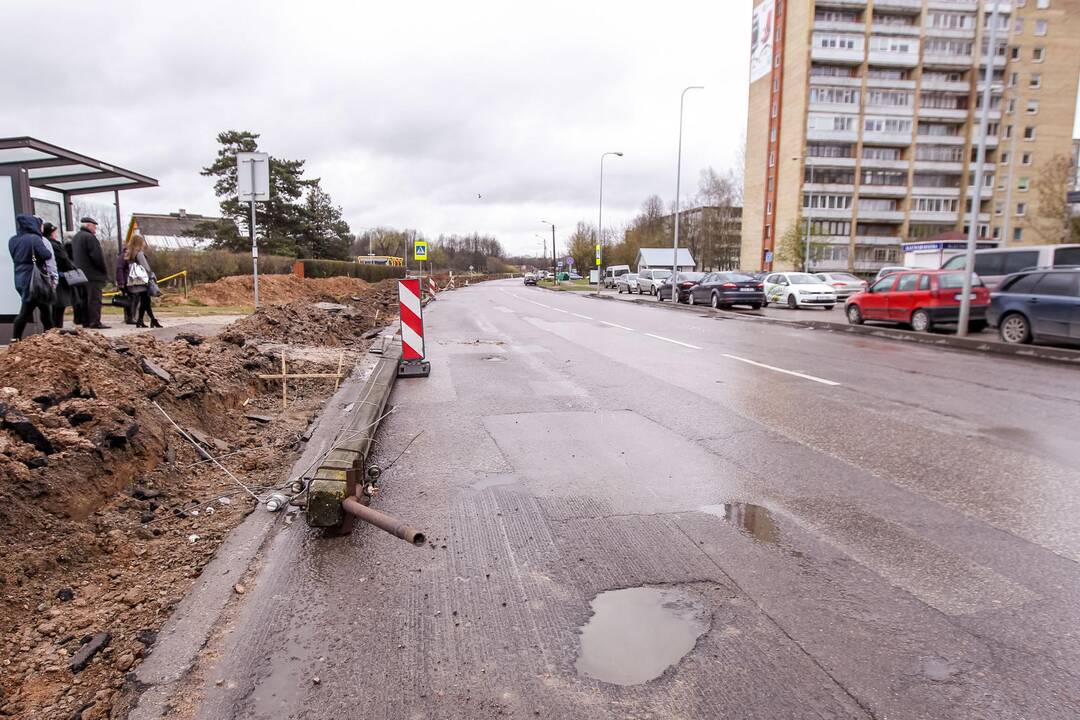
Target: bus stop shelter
x,y
41,179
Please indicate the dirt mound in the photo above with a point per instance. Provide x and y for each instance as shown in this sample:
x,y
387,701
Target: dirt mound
x,y
106,513
274,289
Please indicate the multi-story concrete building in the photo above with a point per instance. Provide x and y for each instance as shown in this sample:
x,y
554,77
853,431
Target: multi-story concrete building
x,y
863,118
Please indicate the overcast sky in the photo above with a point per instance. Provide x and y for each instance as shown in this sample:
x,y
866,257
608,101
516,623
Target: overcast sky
x,y
407,111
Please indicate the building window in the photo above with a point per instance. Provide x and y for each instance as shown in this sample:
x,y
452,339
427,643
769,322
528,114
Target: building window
x,y
1010,108
999,207
768,231
1021,209
768,208
772,183
1029,132
772,134
1040,28
1025,158
1014,53
1008,131
996,233
1018,26
1032,107
1004,159
1035,81
772,158
1013,79
1042,4
1038,54
1023,184
776,83
1018,234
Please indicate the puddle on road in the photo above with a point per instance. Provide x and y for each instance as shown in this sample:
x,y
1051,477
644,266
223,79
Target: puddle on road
x,y
754,520
636,634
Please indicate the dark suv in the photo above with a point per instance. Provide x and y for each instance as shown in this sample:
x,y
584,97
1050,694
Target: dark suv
x,y
1040,304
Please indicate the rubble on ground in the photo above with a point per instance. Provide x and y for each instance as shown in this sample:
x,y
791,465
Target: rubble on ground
x,y
108,514
273,289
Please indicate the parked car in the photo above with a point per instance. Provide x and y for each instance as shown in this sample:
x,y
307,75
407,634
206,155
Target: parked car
x,y
724,289
993,265
530,278
611,272
1041,305
844,284
686,281
797,289
889,270
626,283
649,281
574,275
921,299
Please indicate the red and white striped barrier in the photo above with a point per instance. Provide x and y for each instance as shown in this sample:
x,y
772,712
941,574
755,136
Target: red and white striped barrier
x,y
432,286
412,319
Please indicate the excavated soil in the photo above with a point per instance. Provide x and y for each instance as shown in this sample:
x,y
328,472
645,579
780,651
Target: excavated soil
x,y
107,514
273,289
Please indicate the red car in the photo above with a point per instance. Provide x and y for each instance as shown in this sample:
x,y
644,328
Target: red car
x,y
919,298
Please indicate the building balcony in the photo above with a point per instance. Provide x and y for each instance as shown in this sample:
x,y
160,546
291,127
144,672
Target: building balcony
x,y
957,33
830,188
890,110
937,218
830,81
940,139
827,213
912,6
848,136
945,86
841,56
951,62
839,26
825,107
997,87
883,191
991,140
950,192
887,216
999,61
954,168
893,59
946,114
845,4
884,138
890,84
879,164
876,240
890,29
831,162
986,194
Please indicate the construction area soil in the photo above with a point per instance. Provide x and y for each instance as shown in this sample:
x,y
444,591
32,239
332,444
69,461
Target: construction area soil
x,y
239,290
108,512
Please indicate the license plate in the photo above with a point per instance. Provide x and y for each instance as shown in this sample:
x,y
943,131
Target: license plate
x,y
972,296
746,289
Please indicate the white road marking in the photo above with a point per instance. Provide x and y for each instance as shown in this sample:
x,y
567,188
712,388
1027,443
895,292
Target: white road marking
x,y
621,327
804,376
677,342
583,317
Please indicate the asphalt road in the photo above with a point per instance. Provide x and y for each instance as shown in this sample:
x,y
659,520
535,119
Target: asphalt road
x,y
803,524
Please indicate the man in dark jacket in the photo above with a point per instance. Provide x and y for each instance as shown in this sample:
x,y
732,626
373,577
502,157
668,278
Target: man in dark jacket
x,y
88,257
28,249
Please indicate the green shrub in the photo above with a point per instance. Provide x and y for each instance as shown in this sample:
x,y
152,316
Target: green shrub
x,y
339,268
210,265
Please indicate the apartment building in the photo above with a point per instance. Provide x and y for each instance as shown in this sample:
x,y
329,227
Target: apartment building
x,y
863,118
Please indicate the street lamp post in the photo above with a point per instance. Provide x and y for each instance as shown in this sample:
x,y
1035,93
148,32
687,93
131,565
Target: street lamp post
x,y
600,222
806,221
554,265
678,190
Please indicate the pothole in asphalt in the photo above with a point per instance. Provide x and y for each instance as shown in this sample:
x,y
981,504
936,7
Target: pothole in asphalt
x,y
635,634
754,520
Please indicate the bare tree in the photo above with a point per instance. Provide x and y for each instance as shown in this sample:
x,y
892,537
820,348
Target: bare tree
x,y
1051,223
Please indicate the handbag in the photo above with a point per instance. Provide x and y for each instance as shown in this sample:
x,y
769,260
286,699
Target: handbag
x,y
74,277
41,288
137,275
152,289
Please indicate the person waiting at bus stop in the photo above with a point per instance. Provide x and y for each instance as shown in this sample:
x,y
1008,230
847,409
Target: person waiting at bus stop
x,y
87,256
29,254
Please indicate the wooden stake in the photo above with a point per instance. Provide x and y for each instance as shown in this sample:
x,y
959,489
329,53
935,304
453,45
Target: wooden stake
x,y
340,362
284,382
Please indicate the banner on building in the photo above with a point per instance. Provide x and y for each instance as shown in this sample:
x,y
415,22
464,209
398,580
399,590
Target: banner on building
x,y
762,31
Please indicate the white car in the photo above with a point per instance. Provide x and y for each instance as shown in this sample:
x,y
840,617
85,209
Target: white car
x,y
797,289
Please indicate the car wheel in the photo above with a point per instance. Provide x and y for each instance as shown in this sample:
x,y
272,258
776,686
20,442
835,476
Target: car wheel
x,y
854,315
792,302
690,299
920,321
715,301
755,306
1015,329
659,297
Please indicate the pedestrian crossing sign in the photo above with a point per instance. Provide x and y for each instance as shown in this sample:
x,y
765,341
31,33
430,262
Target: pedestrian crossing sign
x,y
420,250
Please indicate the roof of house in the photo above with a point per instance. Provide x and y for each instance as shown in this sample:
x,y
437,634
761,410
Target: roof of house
x,y
661,257
172,225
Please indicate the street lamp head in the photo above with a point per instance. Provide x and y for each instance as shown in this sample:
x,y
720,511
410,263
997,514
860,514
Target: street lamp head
x,y
619,154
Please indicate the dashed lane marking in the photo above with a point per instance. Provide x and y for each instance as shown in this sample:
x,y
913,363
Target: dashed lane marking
x,y
621,327
676,342
583,317
804,376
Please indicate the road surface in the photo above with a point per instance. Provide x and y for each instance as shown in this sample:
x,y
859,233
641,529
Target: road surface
x,y
768,522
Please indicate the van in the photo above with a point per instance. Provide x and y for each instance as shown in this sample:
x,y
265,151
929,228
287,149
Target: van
x,y
993,265
613,271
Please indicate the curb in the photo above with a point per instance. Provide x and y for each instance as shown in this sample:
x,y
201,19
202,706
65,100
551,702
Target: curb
x,y
190,627
1046,353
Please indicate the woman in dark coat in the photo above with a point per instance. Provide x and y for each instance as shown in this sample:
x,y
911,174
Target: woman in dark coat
x,y
63,265
29,253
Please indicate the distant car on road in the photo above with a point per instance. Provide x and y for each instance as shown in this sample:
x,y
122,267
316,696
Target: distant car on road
x,y
797,289
686,281
530,278
889,270
1040,306
845,284
649,281
724,289
626,283
920,299
611,272
574,275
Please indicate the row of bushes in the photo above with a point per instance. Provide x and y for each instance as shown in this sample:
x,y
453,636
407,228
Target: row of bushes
x,y
338,268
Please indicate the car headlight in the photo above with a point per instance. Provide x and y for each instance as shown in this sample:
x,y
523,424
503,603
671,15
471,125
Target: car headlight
x,y
805,292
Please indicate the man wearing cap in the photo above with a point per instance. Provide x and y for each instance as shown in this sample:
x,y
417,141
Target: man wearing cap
x,y
87,256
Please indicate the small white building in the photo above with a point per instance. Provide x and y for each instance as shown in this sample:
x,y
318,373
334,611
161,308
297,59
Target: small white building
x,y
931,253
660,258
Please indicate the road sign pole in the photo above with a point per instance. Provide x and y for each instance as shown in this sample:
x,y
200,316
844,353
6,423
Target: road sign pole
x,y
254,241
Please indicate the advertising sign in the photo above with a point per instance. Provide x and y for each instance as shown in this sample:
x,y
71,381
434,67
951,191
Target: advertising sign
x,y
762,29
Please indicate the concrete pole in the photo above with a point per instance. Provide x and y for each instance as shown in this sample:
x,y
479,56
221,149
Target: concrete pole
x,y
600,221
678,190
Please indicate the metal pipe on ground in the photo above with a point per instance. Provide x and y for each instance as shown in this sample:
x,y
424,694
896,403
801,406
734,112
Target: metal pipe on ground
x,y
383,521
